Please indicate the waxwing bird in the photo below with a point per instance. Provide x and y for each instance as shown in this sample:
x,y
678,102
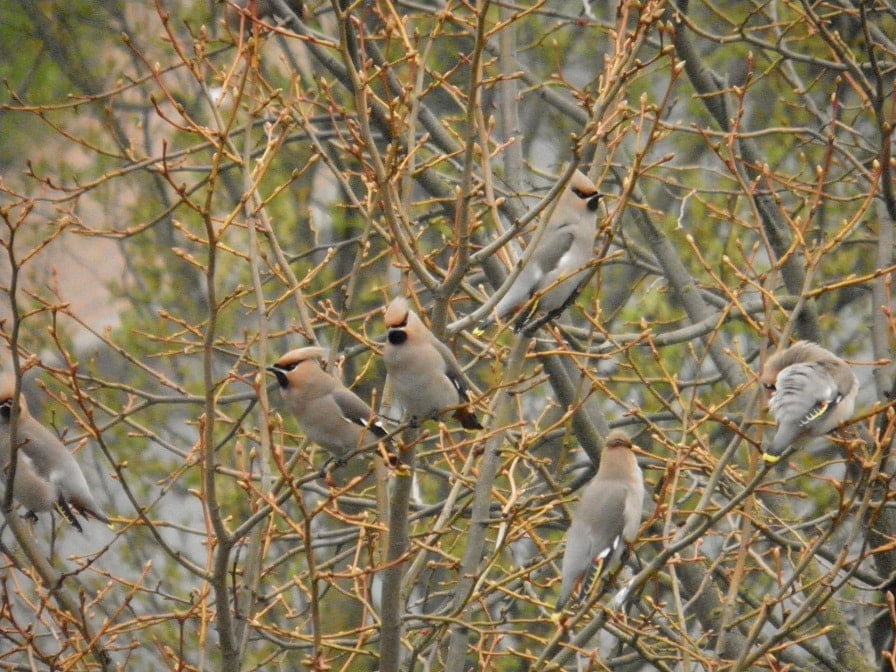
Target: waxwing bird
x,y
606,520
29,489
329,413
811,392
552,276
426,378
42,457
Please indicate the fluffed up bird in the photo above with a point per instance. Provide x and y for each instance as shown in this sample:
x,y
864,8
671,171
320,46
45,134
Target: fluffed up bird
x,y
329,413
606,520
426,378
552,275
44,467
811,392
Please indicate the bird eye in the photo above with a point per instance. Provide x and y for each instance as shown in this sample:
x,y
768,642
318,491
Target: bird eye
x,y
397,336
770,387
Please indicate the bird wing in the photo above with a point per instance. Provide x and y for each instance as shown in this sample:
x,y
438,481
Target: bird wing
x,y
607,525
577,558
544,267
50,458
53,462
594,539
547,264
607,518
453,371
458,380
551,255
355,410
804,392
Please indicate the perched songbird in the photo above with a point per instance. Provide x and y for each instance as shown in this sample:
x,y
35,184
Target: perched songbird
x,y
552,274
606,519
811,392
426,378
329,413
29,489
42,457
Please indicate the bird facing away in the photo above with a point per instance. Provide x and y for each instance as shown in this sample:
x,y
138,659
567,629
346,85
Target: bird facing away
x,y
426,378
329,413
811,392
45,469
606,520
552,275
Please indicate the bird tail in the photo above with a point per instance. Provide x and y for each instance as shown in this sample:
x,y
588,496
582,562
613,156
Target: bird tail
x,y
609,559
585,585
523,322
592,578
467,418
88,510
67,513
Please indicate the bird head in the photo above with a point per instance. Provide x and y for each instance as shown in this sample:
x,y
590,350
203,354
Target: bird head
x,y
7,391
293,359
584,189
800,352
397,317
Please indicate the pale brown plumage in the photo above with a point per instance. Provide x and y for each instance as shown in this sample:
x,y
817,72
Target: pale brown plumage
x,y
811,390
426,378
29,489
46,467
606,519
329,413
554,271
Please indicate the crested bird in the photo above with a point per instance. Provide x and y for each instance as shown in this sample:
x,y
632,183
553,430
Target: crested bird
x,y
329,413
606,520
44,465
552,275
811,392
426,378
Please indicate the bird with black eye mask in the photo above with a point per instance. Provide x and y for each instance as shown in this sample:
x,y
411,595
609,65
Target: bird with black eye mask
x,y
552,275
330,414
426,377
